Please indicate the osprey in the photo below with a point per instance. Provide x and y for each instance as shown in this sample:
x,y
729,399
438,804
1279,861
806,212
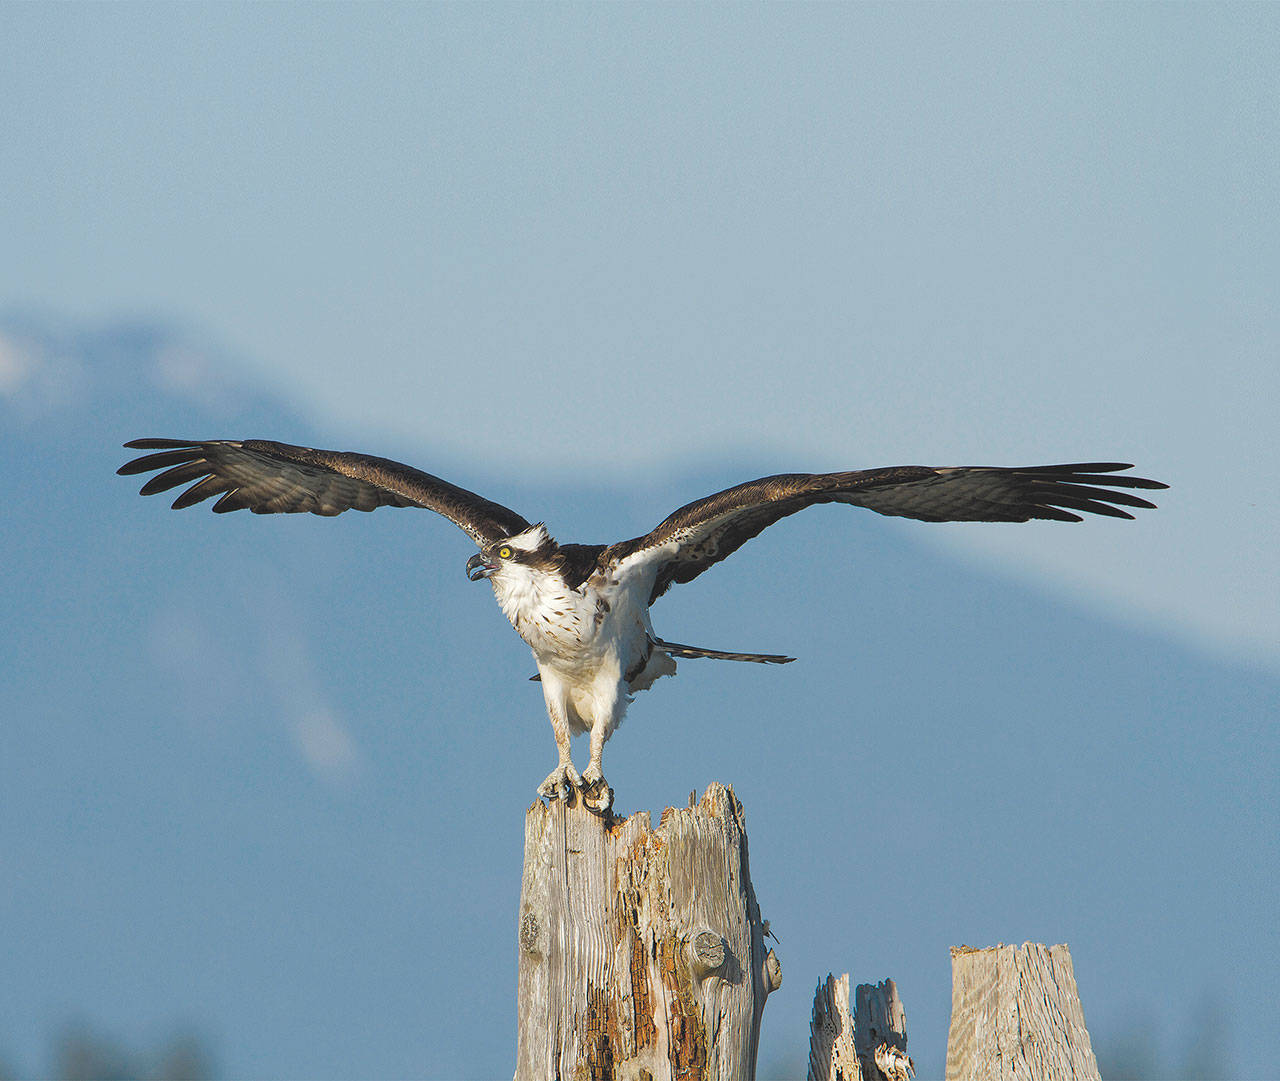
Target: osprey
x,y
584,608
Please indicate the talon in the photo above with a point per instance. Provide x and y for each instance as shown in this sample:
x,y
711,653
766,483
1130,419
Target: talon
x,y
560,782
596,792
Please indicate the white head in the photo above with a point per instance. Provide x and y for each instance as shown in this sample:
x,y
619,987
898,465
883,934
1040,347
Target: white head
x,y
532,553
523,569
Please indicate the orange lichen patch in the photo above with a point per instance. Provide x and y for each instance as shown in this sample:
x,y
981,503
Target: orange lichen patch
x,y
642,850
597,1036
615,824
641,995
687,1048
626,927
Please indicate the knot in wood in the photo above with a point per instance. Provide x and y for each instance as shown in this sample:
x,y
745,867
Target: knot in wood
x,y
772,971
529,932
707,954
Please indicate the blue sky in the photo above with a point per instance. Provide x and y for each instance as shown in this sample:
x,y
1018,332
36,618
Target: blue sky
x,y
610,241
621,246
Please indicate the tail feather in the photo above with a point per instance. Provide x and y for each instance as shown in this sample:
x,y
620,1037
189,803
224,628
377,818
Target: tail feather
x,y
677,650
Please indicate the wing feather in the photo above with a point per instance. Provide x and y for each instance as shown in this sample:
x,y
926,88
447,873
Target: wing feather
x,y
279,478
171,478
706,531
198,493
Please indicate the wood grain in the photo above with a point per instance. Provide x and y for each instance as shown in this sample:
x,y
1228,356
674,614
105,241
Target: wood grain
x,y
1015,1013
641,950
868,1045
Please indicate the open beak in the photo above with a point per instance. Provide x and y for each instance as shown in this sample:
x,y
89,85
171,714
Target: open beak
x,y
477,568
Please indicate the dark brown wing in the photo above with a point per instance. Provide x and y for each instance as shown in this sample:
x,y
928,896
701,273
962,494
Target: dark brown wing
x,y
277,478
707,530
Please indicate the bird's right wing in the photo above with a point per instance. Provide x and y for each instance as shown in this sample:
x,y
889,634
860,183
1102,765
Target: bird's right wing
x,y
278,478
703,532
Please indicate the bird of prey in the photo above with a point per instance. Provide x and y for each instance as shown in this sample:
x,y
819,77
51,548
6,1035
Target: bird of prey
x,y
584,608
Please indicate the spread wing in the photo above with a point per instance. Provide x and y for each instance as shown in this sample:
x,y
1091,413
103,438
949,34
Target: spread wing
x,y
706,531
277,478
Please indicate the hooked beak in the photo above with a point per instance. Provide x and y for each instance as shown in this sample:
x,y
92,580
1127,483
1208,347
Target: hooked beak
x,y
477,568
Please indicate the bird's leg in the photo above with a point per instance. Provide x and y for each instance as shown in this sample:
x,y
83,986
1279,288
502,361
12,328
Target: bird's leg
x,y
564,778
596,792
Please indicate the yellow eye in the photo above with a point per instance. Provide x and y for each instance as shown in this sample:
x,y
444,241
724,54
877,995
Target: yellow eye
x,y
504,552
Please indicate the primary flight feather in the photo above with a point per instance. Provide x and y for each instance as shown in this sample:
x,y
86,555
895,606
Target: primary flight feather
x,y
584,608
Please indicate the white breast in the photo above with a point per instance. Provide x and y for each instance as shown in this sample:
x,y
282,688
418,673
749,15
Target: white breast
x,y
550,617
598,631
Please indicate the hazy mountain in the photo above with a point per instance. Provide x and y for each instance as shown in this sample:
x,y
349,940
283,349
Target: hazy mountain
x,y
265,777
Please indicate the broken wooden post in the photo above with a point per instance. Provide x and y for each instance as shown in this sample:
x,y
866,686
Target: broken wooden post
x,y
870,1045
1016,1013
641,951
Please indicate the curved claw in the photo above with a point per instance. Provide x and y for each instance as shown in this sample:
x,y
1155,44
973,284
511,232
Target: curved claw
x,y
560,782
596,792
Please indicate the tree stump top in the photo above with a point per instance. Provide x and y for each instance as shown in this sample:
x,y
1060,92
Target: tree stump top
x,y
641,949
1015,1012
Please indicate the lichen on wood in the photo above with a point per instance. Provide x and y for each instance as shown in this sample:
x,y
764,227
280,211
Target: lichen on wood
x,y
641,951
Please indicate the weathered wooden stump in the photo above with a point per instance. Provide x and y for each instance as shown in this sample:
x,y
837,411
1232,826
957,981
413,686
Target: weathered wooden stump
x,y
642,958
1016,1013
641,951
867,1044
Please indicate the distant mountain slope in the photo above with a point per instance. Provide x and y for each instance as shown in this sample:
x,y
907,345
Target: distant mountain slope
x,y
266,776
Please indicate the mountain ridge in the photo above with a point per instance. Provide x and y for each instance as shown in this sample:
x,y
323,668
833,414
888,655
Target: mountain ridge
x,y
277,755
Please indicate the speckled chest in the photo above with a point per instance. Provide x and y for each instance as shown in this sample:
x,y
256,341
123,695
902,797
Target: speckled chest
x,y
556,621
577,631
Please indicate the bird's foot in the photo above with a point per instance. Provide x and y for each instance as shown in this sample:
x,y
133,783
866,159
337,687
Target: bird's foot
x,y
560,782
596,792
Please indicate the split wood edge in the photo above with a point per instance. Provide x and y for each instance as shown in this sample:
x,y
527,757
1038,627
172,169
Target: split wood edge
x,y
870,1045
1015,1013
641,949
642,956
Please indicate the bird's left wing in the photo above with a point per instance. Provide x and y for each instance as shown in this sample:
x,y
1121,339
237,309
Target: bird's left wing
x,y
278,478
705,531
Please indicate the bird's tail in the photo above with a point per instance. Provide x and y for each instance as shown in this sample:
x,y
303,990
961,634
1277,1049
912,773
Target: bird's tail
x,y
677,650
